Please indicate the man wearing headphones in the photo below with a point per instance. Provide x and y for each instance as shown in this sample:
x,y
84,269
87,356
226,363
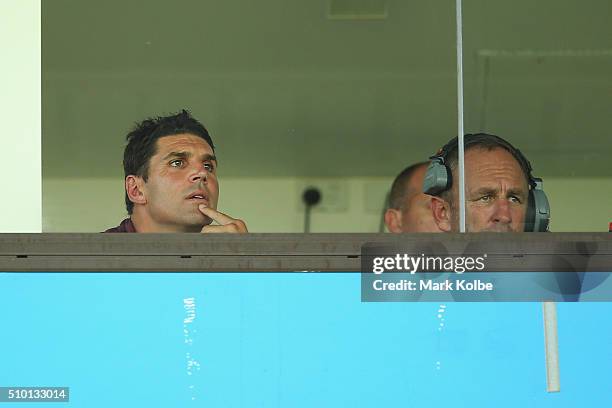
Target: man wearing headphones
x,y
501,195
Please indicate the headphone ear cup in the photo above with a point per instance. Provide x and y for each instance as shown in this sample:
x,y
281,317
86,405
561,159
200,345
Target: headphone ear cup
x,y
437,178
530,216
542,211
537,218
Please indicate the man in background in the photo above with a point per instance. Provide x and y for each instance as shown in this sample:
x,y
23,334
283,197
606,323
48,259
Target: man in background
x,y
409,210
171,181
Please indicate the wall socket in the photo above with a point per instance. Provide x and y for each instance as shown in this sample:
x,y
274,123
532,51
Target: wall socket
x,y
334,194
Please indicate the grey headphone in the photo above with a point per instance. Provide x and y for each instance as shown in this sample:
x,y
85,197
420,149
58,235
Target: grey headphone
x,y
439,179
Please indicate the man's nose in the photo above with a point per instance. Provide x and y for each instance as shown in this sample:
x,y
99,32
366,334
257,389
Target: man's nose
x,y
200,173
502,212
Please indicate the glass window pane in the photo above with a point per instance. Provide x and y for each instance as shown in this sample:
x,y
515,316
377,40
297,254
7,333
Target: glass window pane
x,y
340,95
539,75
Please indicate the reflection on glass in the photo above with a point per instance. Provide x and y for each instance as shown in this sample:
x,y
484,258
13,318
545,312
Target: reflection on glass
x,y
541,79
338,95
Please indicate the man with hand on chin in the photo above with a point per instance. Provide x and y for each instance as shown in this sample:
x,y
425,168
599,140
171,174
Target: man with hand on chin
x,y
171,179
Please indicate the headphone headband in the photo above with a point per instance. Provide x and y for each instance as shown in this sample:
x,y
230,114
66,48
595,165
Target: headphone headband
x,y
486,139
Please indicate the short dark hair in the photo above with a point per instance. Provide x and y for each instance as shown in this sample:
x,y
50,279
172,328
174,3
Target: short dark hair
x,y
487,142
142,139
399,188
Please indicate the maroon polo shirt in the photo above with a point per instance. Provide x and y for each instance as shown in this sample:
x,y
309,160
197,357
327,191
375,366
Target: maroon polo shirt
x,y
125,226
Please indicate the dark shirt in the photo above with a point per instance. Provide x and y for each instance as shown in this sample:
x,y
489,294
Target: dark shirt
x,y
125,226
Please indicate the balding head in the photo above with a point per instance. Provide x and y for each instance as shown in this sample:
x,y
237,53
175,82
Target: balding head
x,y
409,209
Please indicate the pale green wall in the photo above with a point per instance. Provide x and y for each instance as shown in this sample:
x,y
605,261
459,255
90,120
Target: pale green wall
x,y
274,205
20,167
267,205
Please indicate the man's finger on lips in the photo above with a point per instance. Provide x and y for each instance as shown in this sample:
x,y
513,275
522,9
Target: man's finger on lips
x,y
215,215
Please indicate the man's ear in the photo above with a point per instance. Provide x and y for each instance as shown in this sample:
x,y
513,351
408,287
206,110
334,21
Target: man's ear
x,y
442,213
134,189
393,220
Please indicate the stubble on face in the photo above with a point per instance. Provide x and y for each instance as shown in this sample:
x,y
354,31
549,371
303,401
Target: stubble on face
x,y
183,165
496,192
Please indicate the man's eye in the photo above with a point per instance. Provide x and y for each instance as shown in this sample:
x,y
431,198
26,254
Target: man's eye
x,y
485,199
209,166
515,199
176,163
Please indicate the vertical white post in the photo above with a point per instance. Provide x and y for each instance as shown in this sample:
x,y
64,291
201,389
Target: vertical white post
x,y
20,115
551,346
460,130
549,308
